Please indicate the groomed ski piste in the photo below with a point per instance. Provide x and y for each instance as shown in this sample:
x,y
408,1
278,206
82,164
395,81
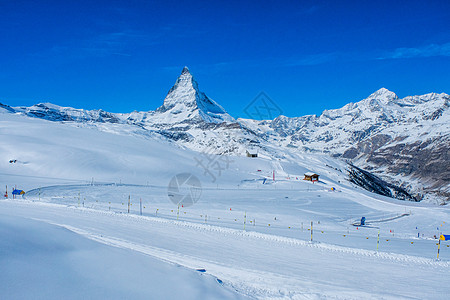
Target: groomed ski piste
x,y
96,222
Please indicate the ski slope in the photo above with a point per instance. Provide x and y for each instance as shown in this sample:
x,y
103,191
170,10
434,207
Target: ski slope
x,y
75,228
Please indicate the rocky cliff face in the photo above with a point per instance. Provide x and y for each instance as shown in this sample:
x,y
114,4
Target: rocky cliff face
x,y
377,185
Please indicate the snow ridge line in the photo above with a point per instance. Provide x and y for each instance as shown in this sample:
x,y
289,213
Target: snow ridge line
x,y
244,281
214,269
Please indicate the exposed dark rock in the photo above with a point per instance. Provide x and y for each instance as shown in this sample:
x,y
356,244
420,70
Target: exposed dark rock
x,y
376,185
7,107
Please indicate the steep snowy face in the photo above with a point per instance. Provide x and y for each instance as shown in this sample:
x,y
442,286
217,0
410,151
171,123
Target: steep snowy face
x,y
185,102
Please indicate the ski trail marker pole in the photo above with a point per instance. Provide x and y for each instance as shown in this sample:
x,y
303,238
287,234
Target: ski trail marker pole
x,y
245,218
311,231
378,240
439,248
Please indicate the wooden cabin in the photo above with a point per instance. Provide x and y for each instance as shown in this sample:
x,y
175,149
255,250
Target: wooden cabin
x,y
252,153
310,176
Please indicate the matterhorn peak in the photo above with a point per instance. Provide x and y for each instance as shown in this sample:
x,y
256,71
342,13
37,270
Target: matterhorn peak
x,y
185,71
185,102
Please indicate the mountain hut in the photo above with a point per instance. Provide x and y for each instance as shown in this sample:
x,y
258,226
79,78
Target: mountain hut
x,y
310,176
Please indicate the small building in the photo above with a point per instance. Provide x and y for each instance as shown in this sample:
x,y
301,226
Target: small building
x,y
310,176
252,153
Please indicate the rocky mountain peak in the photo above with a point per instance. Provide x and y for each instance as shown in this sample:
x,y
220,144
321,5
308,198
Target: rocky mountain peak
x,y
185,102
185,71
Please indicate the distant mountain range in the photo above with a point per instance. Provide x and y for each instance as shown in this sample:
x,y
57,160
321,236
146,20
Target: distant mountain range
x,y
403,141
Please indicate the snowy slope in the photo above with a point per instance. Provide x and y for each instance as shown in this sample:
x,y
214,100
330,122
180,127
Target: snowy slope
x,y
44,261
75,221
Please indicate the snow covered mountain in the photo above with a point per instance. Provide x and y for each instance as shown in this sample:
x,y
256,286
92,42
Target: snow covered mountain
x,y
403,141
186,102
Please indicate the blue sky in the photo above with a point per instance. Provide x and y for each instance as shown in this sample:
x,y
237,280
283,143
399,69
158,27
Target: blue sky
x,y
307,56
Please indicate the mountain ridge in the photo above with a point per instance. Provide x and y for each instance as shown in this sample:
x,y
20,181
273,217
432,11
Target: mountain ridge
x,y
400,139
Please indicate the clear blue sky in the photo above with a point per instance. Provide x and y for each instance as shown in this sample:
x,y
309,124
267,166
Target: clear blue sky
x,y
307,56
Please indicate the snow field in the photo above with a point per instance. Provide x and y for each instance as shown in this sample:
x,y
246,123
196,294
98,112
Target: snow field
x,y
265,211
78,180
256,264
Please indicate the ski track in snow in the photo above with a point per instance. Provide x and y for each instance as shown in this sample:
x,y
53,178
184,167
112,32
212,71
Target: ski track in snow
x,y
263,236
249,282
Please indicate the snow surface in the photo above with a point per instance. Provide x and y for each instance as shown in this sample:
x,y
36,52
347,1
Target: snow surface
x,y
71,236
41,260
